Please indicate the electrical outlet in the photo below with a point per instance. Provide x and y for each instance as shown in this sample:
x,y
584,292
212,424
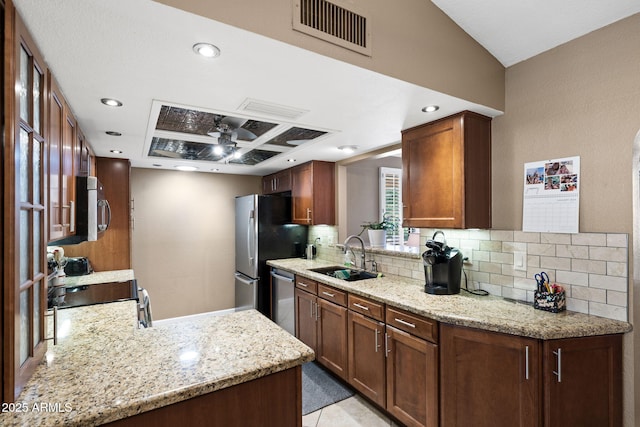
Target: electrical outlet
x,y
520,261
467,255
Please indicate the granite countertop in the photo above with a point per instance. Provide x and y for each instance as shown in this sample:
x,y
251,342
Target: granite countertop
x,y
99,277
484,312
104,368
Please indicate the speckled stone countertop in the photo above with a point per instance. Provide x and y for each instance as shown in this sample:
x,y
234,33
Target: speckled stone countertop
x,y
483,312
99,277
104,368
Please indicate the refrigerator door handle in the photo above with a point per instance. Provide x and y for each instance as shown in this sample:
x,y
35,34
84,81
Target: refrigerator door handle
x,y
241,278
250,234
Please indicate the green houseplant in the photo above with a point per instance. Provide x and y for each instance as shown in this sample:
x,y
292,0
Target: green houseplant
x,y
378,230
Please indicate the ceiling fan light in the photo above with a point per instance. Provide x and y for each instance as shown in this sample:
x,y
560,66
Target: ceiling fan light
x,y
218,150
206,49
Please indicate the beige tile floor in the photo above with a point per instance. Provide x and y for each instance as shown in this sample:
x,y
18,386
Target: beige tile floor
x,y
352,412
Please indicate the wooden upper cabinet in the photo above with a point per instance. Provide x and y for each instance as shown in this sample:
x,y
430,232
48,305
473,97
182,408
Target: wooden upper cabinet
x,y
61,155
313,193
278,182
446,173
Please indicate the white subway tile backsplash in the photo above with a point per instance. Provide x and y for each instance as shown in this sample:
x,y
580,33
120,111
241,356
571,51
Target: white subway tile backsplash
x,y
555,263
608,254
589,239
593,267
608,282
572,278
589,266
541,249
572,251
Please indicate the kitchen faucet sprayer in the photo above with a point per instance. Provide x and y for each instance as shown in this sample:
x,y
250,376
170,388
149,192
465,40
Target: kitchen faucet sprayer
x,y
363,261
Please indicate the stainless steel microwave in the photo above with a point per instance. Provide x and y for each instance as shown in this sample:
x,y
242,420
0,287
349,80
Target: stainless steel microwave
x,y
92,214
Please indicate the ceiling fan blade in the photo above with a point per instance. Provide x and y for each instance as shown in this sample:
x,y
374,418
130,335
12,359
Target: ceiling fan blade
x,y
245,135
214,134
233,122
165,153
297,141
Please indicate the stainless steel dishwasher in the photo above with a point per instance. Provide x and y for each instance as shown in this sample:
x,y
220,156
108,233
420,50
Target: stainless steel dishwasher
x,y
282,300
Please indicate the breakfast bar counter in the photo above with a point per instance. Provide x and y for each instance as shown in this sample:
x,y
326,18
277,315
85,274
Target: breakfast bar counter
x,y
105,369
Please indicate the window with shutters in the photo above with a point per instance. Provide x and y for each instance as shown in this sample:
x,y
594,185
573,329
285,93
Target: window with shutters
x,y
391,202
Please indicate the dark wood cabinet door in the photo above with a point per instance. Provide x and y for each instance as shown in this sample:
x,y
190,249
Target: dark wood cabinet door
x,y
583,381
446,178
366,357
332,337
412,379
306,325
278,182
313,193
488,379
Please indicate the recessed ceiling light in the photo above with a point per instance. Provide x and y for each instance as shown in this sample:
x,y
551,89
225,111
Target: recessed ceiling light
x,y
116,151
348,148
215,170
113,133
430,108
206,49
291,160
111,102
187,168
158,165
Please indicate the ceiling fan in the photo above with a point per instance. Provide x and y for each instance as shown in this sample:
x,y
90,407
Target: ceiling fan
x,y
227,131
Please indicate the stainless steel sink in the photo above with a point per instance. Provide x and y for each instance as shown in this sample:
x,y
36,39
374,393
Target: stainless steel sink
x,y
344,273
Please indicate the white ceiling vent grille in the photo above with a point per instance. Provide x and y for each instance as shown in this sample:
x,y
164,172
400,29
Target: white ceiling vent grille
x,y
333,22
268,108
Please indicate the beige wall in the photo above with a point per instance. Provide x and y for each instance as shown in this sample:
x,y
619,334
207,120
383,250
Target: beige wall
x,y
183,238
582,98
413,41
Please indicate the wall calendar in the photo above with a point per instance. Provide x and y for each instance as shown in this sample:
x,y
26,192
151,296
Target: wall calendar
x,y
551,198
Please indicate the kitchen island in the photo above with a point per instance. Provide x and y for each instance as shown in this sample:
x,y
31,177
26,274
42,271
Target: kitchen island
x,y
105,369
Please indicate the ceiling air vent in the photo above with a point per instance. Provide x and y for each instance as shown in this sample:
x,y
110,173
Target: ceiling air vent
x,y
334,23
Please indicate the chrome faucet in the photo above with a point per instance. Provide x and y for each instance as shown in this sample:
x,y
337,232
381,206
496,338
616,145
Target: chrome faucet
x,y
363,262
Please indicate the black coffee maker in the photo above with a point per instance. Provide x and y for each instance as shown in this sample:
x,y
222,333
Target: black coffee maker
x,y
442,267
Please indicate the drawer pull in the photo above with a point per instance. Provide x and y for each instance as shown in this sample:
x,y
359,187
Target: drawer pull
x,y
303,284
328,294
363,307
404,322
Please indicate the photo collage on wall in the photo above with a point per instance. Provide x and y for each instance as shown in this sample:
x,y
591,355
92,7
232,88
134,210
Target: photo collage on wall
x,y
551,196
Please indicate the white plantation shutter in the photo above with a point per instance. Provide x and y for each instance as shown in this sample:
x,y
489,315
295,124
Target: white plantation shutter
x,y
391,201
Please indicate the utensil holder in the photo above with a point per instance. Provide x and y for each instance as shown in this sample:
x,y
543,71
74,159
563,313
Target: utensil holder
x,y
552,302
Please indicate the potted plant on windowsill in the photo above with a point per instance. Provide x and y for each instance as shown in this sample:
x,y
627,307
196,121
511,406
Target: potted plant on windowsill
x,y
378,231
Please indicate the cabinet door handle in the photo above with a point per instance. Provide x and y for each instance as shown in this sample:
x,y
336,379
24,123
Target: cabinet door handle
x,y
311,307
54,314
317,311
363,307
328,294
72,217
404,322
526,362
386,345
558,373
377,346
308,215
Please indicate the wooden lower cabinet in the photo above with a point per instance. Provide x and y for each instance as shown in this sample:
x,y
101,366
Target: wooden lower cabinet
x,y
485,379
583,381
367,357
322,325
271,401
494,379
412,379
332,337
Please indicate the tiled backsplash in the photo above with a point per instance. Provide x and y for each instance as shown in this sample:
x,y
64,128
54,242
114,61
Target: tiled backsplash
x,y
592,267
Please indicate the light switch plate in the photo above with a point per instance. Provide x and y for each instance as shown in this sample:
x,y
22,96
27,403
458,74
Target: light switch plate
x,y
520,261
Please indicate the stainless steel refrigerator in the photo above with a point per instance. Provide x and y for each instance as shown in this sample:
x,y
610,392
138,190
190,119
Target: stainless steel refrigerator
x,y
263,231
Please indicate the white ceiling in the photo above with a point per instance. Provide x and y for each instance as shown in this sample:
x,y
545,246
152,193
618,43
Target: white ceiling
x,y
139,52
